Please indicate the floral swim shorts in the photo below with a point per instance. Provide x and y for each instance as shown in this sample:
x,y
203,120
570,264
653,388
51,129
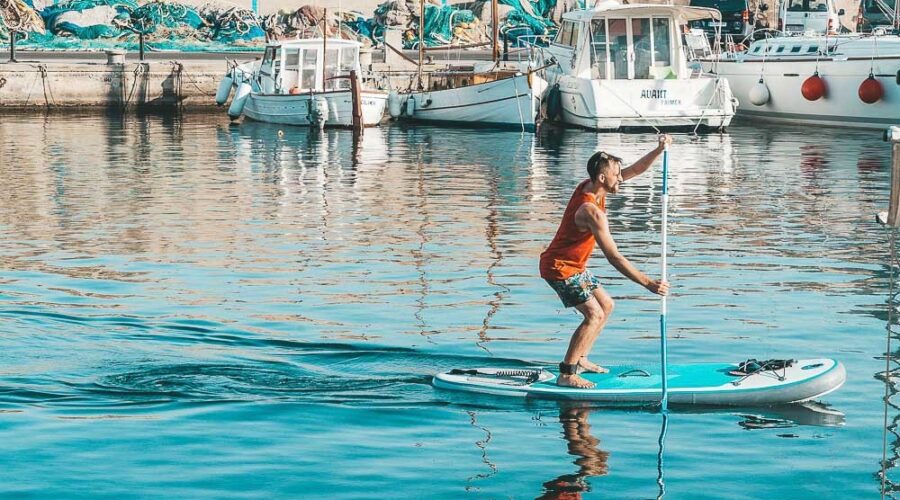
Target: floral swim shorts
x,y
576,289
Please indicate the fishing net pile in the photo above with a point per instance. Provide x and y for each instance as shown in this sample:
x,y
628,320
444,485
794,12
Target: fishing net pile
x,y
450,25
310,21
104,24
219,25
443,24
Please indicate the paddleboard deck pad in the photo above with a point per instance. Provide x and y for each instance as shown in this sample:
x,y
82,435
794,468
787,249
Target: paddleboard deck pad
x,y
700,383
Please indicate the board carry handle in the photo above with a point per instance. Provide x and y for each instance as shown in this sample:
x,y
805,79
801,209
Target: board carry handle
x,y
637,372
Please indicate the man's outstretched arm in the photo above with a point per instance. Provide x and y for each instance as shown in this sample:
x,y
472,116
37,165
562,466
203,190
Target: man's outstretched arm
x,y
596,220
644,163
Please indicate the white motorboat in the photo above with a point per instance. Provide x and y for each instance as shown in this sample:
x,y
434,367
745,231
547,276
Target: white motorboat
x,y
624,66
303,82
496,94
843,80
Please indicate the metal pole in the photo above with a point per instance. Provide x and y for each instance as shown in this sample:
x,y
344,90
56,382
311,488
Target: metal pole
x,y
141,45
662,317
324,44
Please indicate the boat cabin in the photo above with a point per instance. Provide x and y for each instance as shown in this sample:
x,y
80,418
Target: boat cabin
x,y
304,66
625,42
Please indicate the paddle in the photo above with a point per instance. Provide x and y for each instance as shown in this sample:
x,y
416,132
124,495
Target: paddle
x,y
662,316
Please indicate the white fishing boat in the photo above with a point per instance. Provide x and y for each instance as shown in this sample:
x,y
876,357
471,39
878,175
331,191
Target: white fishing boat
x,y
624,66
310,82
496,94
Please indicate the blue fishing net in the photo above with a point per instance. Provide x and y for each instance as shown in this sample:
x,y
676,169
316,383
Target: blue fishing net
x,y
148,17
93,21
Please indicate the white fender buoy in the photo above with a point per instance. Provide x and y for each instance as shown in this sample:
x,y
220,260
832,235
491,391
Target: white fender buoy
x,y
759,93
395,106
411,106
240,99
224,90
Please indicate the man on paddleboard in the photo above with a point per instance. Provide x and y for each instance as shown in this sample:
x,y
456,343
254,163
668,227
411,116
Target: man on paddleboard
x,y
564,262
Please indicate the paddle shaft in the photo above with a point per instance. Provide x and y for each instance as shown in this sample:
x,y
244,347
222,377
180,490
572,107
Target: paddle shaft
x,y
662,316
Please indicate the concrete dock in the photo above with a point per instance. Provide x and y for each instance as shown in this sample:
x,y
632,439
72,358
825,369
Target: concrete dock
x,y
114,81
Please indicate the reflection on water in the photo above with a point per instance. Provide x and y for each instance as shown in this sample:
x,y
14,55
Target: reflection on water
x,y
156,266
590,460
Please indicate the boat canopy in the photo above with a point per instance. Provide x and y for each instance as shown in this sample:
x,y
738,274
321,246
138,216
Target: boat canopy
x,y
612,7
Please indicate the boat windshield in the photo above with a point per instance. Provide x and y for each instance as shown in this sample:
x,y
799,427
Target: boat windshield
x,y
648,40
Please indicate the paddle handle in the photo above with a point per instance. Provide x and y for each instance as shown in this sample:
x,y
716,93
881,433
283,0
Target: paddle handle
x,y
662,316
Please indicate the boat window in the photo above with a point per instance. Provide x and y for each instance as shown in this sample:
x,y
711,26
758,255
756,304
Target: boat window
x,y
780,49
662,51
756,49
576,32
618,47
643,57
347,64
812,48
292,59
269,55
331,70
291,72
564,37
308,69
598,48
795,49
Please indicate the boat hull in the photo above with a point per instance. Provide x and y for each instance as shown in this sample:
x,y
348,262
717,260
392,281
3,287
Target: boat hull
x,y
663,104
507,103
841,105
287,109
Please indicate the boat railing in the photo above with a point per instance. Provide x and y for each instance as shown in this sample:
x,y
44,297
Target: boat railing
x,y
534,46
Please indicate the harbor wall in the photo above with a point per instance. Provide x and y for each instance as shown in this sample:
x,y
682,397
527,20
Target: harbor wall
x,y
120,86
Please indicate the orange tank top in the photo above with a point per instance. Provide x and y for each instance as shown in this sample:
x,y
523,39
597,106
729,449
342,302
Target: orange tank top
x,y
568,253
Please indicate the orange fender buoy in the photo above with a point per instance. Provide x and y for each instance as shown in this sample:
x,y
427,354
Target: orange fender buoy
x,y
870,90
814,87
295,90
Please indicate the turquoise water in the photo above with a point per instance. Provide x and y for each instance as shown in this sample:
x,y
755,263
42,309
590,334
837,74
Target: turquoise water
x,y
189,309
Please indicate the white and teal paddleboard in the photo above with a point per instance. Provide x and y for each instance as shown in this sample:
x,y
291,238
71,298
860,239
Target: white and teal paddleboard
x,y
700,383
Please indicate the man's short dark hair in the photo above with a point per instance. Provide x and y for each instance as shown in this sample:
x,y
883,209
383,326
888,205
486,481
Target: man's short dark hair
x,y
599,163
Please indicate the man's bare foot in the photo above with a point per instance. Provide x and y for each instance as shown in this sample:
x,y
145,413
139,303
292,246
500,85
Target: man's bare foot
x,y
574,381
591,367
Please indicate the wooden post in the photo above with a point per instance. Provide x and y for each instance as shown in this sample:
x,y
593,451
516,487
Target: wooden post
x,y
421,41
894,211
893,219
356,99
495,32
